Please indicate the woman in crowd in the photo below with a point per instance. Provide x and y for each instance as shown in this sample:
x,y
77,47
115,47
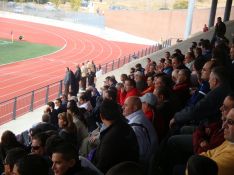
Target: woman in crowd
x,y
68,130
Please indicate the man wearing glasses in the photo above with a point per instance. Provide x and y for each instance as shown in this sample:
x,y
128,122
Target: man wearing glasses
x,y
223,155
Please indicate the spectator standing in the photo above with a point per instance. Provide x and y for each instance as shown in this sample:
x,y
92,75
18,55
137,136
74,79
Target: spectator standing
x,y
84,72
91,78
73,88
93,67
99,71
67,81
78,77
220,28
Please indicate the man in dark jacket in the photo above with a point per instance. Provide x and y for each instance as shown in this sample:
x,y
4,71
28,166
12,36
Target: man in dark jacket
x,y
207,109
220,28
74,89
118,141
67,81
78,77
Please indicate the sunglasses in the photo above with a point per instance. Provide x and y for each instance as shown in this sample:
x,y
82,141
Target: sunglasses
x,y
35,147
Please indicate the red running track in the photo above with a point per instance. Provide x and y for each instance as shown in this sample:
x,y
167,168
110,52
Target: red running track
x,y
76,47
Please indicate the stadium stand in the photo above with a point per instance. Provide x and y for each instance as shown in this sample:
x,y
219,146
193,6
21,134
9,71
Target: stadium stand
x,y
115,139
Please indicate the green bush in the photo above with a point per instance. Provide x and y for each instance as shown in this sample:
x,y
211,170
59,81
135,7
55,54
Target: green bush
x,y
180,4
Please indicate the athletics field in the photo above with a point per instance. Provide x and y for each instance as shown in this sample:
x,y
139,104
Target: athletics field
x,y
21,50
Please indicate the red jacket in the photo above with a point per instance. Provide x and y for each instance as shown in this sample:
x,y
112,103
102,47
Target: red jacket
x,y
125,95
149,89
212,134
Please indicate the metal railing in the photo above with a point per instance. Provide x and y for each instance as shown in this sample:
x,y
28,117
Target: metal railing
x,y
117,63
15,107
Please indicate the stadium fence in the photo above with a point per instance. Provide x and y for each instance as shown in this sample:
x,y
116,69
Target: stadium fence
x,y
22,104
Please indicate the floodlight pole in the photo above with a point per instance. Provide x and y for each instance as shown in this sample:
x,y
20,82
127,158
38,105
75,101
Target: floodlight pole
x,y
212,13
189,19
227,11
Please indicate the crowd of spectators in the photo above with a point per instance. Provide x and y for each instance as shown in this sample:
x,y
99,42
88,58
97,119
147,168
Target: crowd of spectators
x,y
174,116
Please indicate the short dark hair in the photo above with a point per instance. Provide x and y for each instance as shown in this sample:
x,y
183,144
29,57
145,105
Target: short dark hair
x,y
41,137
178,57
199,51
124,76
46,117
165,92
109,110
52,142
231,95
84,97
165,79
13,155
72,106
221,74
41,127
132,82
32,164
112,93
59,100
205,44
199,63
67,150
51,104
138,65
8,138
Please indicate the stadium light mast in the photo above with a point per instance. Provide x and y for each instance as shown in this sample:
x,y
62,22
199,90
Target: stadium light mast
x,y
189,19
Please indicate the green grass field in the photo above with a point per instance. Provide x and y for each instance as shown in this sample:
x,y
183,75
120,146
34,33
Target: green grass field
x,y
21,50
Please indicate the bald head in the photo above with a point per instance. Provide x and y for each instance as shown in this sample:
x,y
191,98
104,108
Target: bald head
x,y
131,105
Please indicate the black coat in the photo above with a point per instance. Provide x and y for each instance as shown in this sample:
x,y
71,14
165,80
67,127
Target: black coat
x,y
207,109
118,143
220,30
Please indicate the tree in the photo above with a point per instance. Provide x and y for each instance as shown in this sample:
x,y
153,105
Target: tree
x,y
56,2
180,4
75,4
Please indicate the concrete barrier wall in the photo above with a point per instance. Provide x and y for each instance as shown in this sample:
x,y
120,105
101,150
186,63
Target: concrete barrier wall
x,y
159,24
183,46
